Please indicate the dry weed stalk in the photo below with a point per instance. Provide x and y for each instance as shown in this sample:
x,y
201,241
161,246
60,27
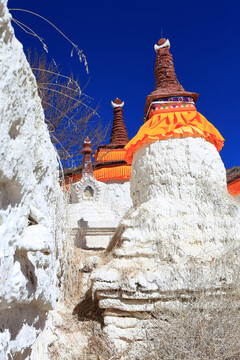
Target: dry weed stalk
x,y
68,111
205,327
29,31
99,346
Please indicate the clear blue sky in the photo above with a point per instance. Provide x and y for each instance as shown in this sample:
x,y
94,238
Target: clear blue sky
x,y
118,39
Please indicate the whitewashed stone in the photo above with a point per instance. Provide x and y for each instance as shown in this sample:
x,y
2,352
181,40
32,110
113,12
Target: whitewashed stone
x,y
31,216
95,211
237,198
90,218
118,197
62,339
172,241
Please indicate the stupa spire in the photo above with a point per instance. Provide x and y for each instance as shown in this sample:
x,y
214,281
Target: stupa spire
x,y
87,162
119,135
167,84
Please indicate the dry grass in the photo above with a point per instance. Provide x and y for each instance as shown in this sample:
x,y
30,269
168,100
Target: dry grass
x,y
205,326
70,114
204,330
99,347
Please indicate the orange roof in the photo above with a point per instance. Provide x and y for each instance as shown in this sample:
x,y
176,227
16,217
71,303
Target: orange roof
x,y
107,174
106,155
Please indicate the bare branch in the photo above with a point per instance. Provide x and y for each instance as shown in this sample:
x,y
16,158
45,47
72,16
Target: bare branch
x,y
69,113
80,53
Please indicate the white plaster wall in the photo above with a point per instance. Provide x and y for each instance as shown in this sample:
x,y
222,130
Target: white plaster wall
x,y
118,197
184,180
30,202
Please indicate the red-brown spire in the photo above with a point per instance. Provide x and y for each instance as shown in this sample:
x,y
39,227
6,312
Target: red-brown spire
x,y
119,135
87,162
167,84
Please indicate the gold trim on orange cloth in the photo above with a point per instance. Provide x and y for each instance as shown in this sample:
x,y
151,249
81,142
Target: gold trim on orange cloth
x,y
110,155
177,124
113,173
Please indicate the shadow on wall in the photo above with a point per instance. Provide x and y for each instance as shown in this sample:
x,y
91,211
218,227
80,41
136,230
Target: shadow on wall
x,y
13,320
11,194
88,309
28,270
80,238
85,235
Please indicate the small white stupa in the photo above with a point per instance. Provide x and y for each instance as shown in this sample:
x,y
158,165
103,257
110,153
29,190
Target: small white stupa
x,y
90,219
183,221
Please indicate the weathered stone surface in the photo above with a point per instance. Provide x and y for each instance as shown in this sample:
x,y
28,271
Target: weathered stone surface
x,y
182,223
30,202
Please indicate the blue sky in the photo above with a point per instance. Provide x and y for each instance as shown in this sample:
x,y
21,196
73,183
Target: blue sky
x,y
118,40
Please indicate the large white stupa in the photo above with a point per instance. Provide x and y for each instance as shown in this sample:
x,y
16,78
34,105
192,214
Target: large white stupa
x,y
183,222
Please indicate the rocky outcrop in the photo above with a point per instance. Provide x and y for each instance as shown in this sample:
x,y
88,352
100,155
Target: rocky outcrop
x,y
31,203
172,241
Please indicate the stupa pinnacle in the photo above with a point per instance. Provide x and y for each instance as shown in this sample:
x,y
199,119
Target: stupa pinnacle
x,y
170,111
110,164
119,135
87,162
167,84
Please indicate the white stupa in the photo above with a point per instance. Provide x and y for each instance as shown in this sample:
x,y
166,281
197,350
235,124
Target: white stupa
x,y
183,221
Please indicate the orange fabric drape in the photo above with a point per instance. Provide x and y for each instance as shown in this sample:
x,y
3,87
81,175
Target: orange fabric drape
x,y
174,124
